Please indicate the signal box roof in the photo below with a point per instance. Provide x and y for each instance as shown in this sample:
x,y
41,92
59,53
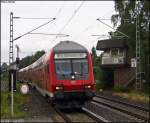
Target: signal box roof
x,y
111,43
69,46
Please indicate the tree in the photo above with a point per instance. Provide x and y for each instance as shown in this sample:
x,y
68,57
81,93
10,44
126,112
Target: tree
x,y
127,14
30,59
93,51
94,56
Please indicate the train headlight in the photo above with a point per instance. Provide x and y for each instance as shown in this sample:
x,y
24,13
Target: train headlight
x,y
59,88
87,86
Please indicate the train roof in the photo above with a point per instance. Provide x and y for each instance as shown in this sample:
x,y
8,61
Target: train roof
x,y
69,46
63,46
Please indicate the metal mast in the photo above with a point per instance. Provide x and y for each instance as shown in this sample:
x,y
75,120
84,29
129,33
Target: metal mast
x,y
11,57
138,50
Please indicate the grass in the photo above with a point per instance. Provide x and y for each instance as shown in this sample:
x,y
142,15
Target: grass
x,y
120,89
4,78
134,96
19,101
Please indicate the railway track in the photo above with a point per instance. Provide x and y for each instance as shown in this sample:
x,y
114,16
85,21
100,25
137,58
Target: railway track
x,y
83,112
124,103
66,116
63,116
94,116
130,109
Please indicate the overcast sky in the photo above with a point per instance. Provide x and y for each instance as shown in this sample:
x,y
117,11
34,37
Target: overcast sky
x,y
80,28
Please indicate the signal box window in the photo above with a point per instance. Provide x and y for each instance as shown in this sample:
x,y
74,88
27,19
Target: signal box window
x,y
114,52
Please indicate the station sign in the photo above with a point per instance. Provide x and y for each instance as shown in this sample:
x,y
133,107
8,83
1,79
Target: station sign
x,y
24,89
70,55
133,62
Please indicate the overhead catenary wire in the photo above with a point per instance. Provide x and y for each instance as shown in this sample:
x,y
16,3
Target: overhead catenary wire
x,y
72,16
86,29
29,18
75,12
49,34
39,26
112,28
89,26
58,13
59,10
34,29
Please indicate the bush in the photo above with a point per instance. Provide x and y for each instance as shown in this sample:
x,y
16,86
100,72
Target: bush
x,y
146,88
100,85
121,89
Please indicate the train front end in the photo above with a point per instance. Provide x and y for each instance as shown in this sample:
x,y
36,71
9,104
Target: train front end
x,y
73,75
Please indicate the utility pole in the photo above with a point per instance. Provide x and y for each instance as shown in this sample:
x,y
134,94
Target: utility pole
x,y
11,58
12,66
138,50
17,58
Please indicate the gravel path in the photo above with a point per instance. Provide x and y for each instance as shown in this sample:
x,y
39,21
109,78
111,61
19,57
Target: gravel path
x,y
39,110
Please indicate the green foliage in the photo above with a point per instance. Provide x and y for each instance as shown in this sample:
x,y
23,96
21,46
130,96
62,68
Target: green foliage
x,y
19,101
4,70
127,14
103,77
100,85
147,88
93,51
99,80
30,59
4,78
97,73
120,89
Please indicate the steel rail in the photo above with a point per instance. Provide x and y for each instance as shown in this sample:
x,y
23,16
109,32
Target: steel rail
x,y
67,120
125,103
94,116
142,117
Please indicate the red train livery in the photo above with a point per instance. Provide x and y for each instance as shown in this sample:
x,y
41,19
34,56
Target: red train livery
x,y
64,75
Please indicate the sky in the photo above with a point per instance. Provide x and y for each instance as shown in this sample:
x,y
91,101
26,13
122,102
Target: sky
x,y
74,18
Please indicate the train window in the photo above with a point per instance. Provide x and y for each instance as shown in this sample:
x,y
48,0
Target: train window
x,y
63,69
80,68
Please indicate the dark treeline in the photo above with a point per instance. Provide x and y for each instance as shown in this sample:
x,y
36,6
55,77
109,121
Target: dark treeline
x,y
30,59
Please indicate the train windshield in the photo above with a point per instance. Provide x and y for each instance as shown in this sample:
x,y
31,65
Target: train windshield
x,y
80,68
65,68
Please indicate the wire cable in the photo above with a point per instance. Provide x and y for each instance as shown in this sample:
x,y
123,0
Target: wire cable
x,y
72,16
29,18
75,12
87,28
49,34
34,29
112,28
59,10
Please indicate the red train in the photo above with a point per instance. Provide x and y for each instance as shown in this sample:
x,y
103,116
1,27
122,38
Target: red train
x,y
64,75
